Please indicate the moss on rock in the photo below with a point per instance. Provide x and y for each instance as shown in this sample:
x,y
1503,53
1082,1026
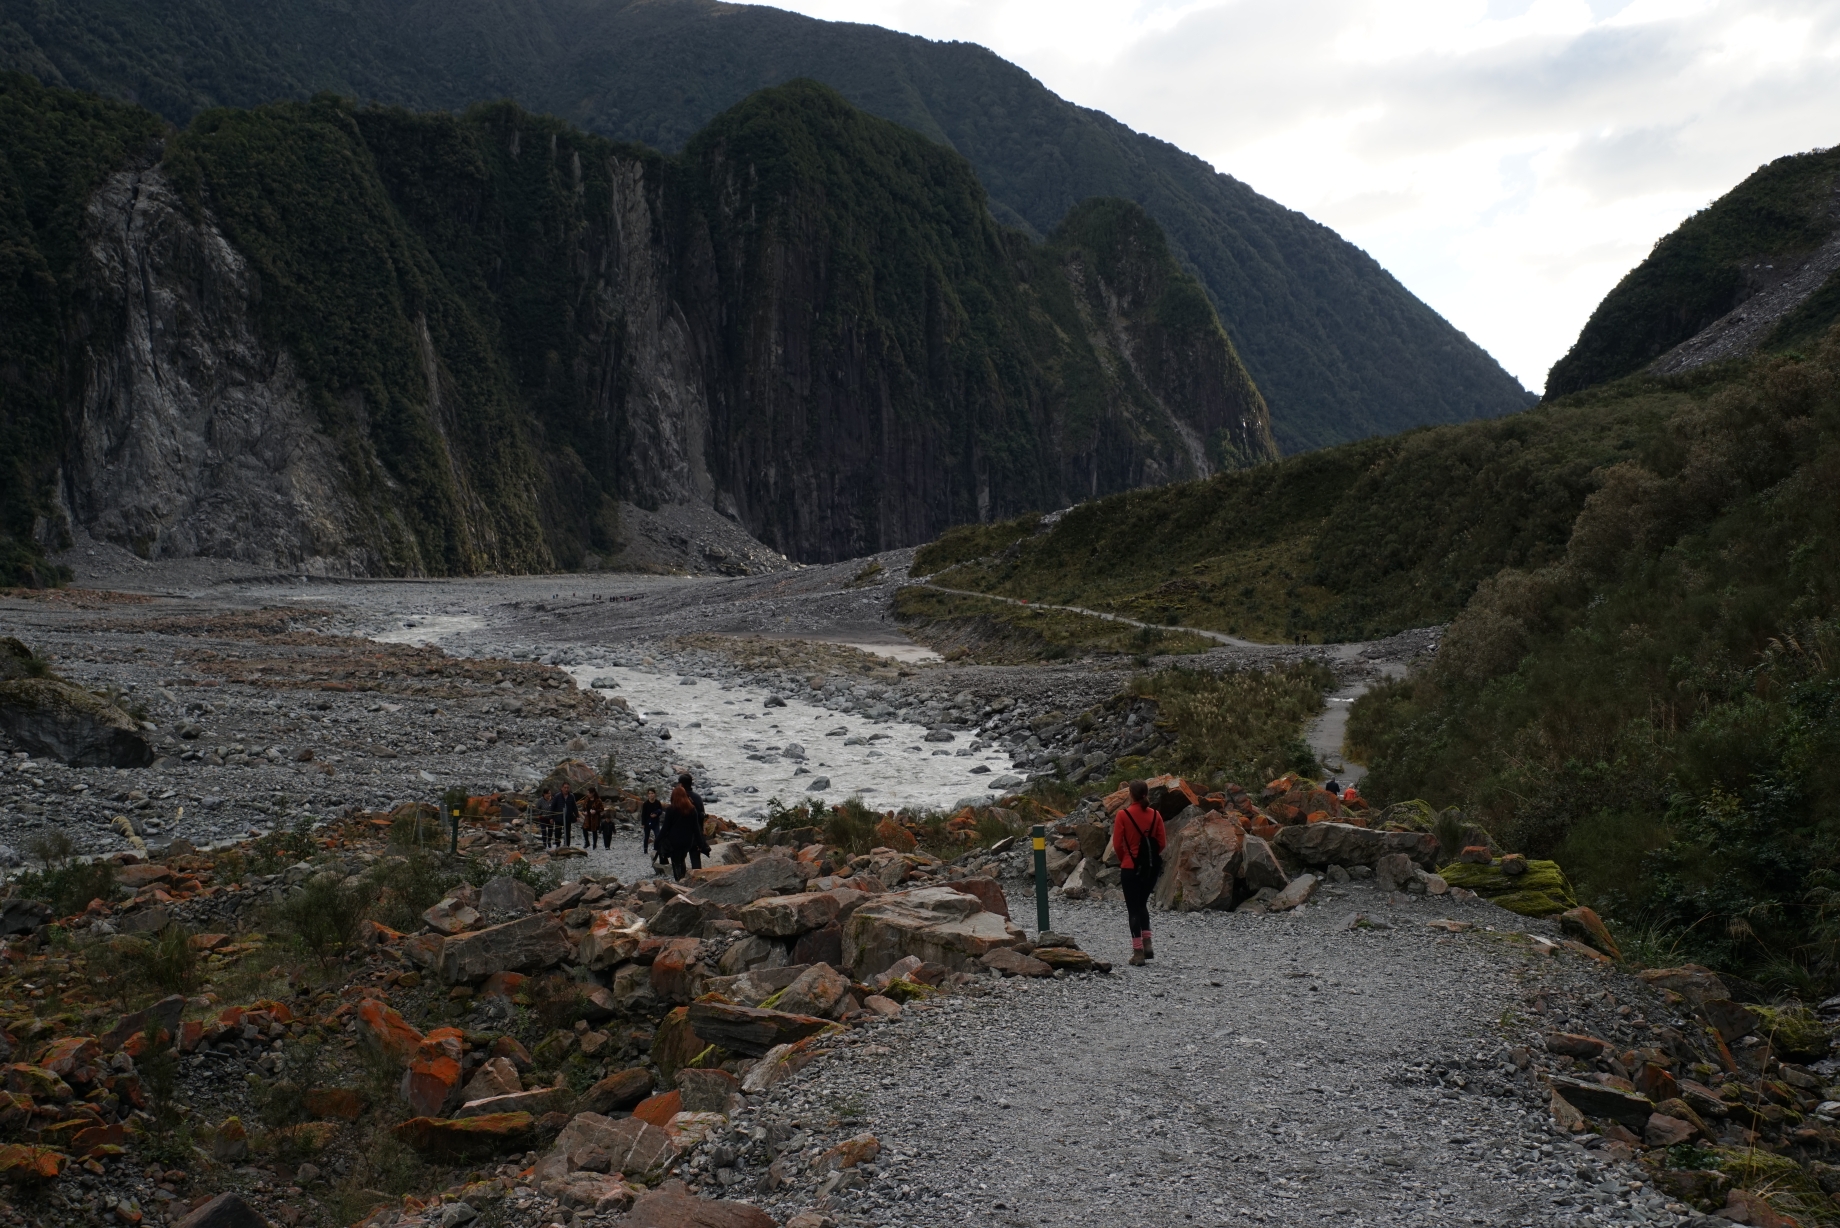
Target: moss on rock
x,y
1793,1032
1543,891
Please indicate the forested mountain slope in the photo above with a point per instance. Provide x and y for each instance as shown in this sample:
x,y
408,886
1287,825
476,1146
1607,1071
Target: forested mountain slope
x,y
365,340
1759,268
1340,349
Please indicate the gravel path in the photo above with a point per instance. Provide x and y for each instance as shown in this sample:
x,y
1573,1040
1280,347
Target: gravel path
x,y
1273,1070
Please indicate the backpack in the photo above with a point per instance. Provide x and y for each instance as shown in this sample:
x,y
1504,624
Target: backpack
x,y
1149,856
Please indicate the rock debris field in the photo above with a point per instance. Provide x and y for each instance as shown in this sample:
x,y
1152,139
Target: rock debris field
x,y
1345,1062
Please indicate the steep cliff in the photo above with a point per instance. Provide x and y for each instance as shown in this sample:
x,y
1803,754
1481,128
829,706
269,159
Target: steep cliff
x,y
1340,348
320,337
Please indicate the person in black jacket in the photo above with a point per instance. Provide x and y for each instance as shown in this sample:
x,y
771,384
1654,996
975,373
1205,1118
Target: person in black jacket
x,y
681,835
651,816
567,811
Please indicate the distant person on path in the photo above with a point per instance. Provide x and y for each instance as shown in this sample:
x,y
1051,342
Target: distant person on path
x,y
651,817
545,809
1137,834
592,812
682,834
569,812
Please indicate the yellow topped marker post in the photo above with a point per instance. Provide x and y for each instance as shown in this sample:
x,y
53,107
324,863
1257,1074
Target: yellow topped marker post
x,y
1040,834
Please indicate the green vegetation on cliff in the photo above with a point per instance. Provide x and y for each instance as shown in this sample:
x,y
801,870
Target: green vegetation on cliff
x,y
1747,239
58,146
1338,346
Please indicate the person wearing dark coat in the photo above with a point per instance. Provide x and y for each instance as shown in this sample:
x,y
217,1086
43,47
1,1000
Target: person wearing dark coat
x,y
568,810
681,835
651,817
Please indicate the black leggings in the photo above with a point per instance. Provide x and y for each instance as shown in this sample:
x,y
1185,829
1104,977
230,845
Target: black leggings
x,y
1138,885
677,863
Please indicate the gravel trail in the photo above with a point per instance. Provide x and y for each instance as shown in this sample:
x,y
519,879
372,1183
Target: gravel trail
x,y
1273,1070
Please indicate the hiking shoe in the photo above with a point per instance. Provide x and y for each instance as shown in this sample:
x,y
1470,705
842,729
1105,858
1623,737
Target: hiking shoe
x,y
1137,959
1149,952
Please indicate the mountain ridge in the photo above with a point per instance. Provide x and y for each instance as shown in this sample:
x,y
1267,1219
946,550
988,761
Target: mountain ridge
x,y
1336,344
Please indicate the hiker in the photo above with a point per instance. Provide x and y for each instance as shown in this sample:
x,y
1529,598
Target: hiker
x,y
1137,834
651,815
1333,787
592,811
569,811
681,835
545,814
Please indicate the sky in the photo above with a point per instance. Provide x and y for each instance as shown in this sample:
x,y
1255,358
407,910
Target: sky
x,y
1507,160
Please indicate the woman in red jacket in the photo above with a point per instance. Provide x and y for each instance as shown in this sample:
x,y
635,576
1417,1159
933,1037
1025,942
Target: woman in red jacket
x,y
1137,834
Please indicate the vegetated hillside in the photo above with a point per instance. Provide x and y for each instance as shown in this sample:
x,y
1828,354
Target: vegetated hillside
x,y
1341,350
1767,246
368,340
1348,543
1659,705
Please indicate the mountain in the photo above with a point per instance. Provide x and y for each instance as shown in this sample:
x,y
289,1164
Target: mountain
x,y
364,340
1758,269
1339,348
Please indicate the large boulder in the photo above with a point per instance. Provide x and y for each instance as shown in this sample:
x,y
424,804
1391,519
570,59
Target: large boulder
x,y
770,875
529,944
1343,844
613,937
1200,864
749,1031
788,916
989,891
820,990
628,1146
1259,866
468,1137
618,1092
62,721
1541,891
935,924
672,1205
506,896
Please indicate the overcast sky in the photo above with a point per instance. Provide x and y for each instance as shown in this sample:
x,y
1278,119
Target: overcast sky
x,y
1508,161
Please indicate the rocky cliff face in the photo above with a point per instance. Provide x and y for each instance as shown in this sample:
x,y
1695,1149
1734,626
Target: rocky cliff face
x,y
365,341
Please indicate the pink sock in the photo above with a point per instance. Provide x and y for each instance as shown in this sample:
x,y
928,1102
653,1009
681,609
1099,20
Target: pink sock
x,y
1137,944
1146,935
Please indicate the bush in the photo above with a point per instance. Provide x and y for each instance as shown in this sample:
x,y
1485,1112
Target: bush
x,y
538,878
1247,724
406,887
172,961
850,826
325,915
64,882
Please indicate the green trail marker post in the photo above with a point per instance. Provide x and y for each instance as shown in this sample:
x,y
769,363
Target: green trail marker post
x,y
453,844
1040,835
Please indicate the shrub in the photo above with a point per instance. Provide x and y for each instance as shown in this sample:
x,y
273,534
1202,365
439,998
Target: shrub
x,y
64,882
406,887
850,826
325,915
1247,724
172,961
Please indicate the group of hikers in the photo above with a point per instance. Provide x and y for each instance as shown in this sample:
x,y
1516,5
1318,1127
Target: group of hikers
x,y
671,831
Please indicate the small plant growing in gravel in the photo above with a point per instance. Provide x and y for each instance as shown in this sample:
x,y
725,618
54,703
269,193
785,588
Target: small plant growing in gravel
x,y
406,887
325,915
478,870
851,826
172,961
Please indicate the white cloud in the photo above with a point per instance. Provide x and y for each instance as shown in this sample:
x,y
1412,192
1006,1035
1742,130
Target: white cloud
x,y
1508,160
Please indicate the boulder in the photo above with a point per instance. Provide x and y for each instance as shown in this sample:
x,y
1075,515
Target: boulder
x,y
682,917
431,1085
738,885
671,1205
224,1211
1664,1131
528,944
708,1091
450,917
1343,844
1543,891
22,916
1067,959
1298,892
756,986
613,937
1587,927
632,991
617,1093
1695,982
537,1101
989,893
675,973
936,924
1601,1100
1733,1020
820,946
62,721
384,1030
468,1137
819,990
1259,866
629,1145
1011,962
750,1031
1572,1044
788,916
497,1077
1393,871
890,834
162,1016
506,896
592,1192
1201,864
